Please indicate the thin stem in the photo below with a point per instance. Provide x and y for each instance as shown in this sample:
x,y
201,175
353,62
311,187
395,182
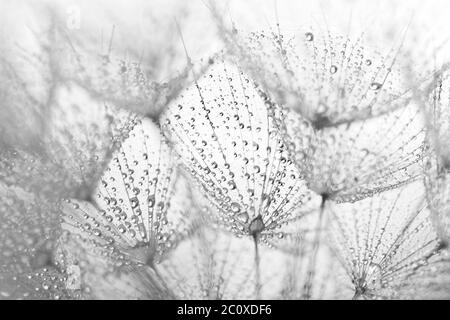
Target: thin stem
x,y
315,249
257,267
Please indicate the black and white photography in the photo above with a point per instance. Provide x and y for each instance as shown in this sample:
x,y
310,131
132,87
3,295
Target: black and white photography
x,y
224,150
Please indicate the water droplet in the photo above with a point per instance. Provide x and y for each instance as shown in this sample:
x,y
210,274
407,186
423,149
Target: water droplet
x,y
375,86
235,207
333,69
309,36
243,217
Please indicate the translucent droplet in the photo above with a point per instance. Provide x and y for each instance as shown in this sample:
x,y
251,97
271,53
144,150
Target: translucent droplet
x,y
375,86
134,202
151,201
309,36
235,207
333,69
243,217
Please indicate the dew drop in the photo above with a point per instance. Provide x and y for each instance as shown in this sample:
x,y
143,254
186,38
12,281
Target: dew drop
x,y
235,207
151,201
333,69
309,36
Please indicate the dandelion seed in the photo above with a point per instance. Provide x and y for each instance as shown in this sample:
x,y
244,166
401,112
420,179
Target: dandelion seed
x,y
349,109
305,278
128,85
78,141
313,165
217,265
29,267
436,181
384,240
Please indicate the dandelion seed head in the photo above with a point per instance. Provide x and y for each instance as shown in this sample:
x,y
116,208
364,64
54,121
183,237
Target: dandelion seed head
x,y
352,161
139,211
338,92
227,138
436,162
214,264
383,240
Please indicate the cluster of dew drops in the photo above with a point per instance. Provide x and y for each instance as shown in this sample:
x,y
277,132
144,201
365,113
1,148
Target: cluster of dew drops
x,y
220,156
